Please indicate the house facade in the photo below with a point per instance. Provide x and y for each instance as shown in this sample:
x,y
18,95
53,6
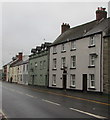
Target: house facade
x,y
23,76
39,66
77,56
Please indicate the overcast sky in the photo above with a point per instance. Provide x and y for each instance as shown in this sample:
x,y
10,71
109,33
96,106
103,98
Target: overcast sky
x,y
28,24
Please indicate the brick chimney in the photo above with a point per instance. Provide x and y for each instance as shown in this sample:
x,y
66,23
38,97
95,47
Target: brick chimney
x,y
64,27
101,13
20,56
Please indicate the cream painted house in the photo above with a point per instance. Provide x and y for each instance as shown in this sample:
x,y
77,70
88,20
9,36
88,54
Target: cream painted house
x,y
77,57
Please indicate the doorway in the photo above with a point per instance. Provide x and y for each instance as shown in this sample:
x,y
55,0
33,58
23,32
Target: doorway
x,y
64,79
32,79
84,82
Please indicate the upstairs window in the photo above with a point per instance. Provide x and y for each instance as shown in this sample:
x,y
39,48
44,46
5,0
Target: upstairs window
x,y
54,63
92,42
63,48
92,60
73,61
54,49
63,62
44,64
40,65
73,45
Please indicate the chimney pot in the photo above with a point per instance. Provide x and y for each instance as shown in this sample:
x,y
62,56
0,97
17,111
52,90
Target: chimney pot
x,y
64,27
101,13
20,56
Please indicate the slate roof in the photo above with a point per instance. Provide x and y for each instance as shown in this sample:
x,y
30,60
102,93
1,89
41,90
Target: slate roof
x,y
82,31
20,63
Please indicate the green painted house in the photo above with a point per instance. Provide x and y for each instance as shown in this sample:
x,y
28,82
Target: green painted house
x,y
38,65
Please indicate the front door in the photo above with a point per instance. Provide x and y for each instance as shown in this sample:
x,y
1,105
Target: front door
x,y
84,82
32,79
64,81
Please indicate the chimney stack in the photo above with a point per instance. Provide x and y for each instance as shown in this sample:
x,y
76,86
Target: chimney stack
x,y
101,13
64,27
20,56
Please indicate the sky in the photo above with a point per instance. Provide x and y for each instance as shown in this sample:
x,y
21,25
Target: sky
x,y
26,25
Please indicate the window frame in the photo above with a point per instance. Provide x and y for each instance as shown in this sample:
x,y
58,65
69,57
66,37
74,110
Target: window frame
x,y
91,76
54,49
72,80
54,80
54,63
73,45
63,48
73,61
91,42
63,62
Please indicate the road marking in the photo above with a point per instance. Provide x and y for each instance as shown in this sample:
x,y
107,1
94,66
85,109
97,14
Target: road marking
x,y
73,97
29,95
90,114
51,102
20,92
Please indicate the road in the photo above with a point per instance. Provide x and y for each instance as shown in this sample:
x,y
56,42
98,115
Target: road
x,y
20,101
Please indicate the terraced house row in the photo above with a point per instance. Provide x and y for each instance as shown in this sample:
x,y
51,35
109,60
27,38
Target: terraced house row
x,y
79,59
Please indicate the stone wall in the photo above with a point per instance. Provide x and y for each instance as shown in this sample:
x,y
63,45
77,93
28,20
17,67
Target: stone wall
x,y
106,65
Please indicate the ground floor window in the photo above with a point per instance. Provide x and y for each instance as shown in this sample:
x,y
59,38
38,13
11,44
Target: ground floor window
x,y
54,79
92,80
72,80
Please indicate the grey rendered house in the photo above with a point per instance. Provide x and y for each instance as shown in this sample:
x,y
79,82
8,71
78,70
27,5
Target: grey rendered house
x,y
78,56
39,65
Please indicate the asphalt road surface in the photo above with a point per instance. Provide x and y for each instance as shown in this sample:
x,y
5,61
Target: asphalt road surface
x,y
20,101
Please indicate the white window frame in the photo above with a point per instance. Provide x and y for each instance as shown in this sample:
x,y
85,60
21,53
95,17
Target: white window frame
x,y
92,80
54,79
92,60
92,41
73,45
54,63
72,80
63,48
40,65
63,62
44,64
73,61
54,49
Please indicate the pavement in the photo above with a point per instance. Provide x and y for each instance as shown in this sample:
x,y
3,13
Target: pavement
x,y
95,96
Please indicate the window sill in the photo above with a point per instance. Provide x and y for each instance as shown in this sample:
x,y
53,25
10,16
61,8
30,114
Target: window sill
x,y
73,49
54,69
63,51
90,46
55,53
91,66
72,68
72,86
92,88
63,68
